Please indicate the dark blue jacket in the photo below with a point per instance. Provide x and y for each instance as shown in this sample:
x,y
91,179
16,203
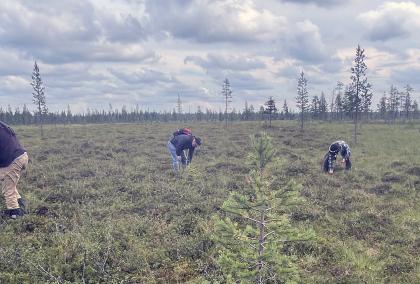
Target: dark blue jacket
x,y
183,142
10,147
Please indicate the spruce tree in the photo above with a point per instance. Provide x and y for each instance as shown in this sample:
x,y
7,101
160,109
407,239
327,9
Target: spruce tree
x,y
227,94
394,102
270,108
383,106
358,93
39,96
406,102
246,115
256,225
415,109
302,99
179,108
285,110
315,107
323,106
338,100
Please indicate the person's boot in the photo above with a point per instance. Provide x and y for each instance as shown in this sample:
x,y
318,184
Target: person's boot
x,y
22,204
15,213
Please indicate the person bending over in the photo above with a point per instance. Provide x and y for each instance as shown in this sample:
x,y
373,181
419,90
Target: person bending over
x,y
335,148
13,160
176,146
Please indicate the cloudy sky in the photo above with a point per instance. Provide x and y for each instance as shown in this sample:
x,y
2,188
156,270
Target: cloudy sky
x,y
93,53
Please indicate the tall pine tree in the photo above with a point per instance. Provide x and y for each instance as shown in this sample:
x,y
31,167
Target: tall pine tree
x,y
285,110
359,89
394,102
302,98
227,94
407,101
39,96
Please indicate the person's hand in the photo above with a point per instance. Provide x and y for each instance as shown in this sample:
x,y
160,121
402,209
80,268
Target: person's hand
x,y
248,179
179,158
343,161
331,171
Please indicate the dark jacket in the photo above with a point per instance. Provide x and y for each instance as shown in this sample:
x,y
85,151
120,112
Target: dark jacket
x,y
336,148
183,142
340,147
10,147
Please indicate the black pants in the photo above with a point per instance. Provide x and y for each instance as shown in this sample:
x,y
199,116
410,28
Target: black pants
x,y
329,159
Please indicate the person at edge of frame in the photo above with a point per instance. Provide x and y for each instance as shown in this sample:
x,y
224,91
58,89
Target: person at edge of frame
x,y
13,160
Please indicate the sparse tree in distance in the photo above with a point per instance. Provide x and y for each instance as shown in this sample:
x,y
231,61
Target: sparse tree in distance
x,y
302,99
415,109
339,104
179,107
366,101
323,107
227,94
199,114
315,107
394,102
246,114
383,107
358,89
407,101
270,107
39,96
285,110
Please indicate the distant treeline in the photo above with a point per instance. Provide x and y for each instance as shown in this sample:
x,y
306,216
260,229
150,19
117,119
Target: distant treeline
x,y
25,117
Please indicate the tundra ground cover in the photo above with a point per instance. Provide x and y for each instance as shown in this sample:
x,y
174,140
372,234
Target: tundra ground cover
x,y
105,206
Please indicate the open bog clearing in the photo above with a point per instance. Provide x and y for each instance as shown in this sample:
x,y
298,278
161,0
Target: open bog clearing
x,y
105,206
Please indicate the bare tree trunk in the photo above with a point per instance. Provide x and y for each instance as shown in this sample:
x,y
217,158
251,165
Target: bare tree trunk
x,y
261,240
226,113
355,128
301,121
42,131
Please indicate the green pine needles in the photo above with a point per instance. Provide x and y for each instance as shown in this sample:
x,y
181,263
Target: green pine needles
x,y
256,225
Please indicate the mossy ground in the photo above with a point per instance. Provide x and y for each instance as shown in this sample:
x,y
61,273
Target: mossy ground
x,y
105,206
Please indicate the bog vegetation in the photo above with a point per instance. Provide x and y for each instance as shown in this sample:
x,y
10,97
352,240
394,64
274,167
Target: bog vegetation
x,y
106,208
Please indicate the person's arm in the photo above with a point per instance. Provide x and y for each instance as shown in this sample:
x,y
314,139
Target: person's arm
x,y
346,149
190,154
184,159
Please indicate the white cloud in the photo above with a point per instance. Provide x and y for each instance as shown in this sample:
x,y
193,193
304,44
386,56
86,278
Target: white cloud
x,y
323,3
304,42
214,20
226,62
392,20
94,52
